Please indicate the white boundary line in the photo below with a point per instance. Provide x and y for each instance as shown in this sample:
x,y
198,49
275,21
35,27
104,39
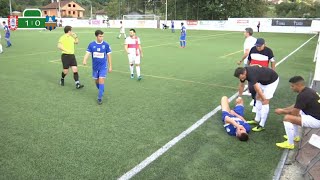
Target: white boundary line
x,y
166,147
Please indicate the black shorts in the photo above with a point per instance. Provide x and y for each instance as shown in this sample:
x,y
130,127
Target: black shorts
x,y
68,60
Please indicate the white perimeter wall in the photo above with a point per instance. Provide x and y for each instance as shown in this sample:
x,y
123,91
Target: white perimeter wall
x,y
232,24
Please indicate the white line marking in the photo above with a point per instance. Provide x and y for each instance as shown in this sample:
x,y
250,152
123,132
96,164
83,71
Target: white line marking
x,y
230,54
175,140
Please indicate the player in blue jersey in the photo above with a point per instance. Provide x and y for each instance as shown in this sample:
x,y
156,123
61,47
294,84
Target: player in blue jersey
x,y
183,36
100,52
233,120
172,26
7,33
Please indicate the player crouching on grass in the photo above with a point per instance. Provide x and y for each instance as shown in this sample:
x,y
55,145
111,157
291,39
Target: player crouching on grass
x,y
233,120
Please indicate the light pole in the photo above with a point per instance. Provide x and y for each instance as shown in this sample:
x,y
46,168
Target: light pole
x,y
166,11
59,13
175,9
10,7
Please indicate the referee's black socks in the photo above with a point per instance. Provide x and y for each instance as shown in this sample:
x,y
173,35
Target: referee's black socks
x,y
76,76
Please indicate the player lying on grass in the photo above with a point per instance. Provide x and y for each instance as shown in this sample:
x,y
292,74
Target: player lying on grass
x,y
233,120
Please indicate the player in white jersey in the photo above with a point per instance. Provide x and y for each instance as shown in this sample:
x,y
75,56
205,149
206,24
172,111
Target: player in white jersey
x,y
122,31
247,45
133,48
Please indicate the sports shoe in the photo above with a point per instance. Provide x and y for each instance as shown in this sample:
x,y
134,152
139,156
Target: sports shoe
x,y
254,109
246,93
131,76
252,122
258,128
99,101
139,78
285,145
62,82
296,139
79,86
252,103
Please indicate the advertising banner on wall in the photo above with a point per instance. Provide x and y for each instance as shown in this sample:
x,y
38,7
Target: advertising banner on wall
x,y
291,22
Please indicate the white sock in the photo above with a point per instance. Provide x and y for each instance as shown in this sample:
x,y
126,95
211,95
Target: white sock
x,y
131,69
1,48
138,70
295,130
264,114
119,35
289,131
258,111
125,36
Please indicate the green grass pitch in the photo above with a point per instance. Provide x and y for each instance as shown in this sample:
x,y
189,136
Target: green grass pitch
x,y
53,132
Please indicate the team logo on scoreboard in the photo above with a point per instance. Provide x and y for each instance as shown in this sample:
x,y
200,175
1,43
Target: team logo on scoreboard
x,y
13,22
51,23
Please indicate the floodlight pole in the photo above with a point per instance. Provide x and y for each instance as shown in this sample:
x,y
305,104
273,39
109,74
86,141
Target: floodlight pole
x,y
91,10
59,9
10,7
166,11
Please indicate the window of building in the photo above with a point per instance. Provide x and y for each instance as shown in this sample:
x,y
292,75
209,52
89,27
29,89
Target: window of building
x,y
69,12
74,12
69,5
45,12
74,5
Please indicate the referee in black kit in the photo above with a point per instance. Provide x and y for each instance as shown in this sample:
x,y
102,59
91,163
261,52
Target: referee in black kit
x,y
66,45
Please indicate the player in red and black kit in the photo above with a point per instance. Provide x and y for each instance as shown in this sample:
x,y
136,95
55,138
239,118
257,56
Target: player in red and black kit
x,y
260,55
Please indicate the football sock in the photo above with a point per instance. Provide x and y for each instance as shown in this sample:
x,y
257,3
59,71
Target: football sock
x,y
184,43
181,43
289,131
1,48
131,68
295,130
76,76
264,114
138,70
101,91
258,112
97,85
63,75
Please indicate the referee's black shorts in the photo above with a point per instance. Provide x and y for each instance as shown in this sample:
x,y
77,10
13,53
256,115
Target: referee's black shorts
x,y
68,60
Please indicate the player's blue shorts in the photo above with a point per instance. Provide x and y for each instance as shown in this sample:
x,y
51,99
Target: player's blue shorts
x,y
182,37
238,109
231,130
99,73
7,35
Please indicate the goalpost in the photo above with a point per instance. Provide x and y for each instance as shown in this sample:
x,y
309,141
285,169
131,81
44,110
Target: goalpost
x,y
141,21
140,17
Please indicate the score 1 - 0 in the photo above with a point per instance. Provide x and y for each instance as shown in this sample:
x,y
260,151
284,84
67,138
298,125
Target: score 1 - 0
x,y
32,22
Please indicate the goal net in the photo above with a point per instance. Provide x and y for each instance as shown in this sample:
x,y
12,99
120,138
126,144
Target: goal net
x,y
140,17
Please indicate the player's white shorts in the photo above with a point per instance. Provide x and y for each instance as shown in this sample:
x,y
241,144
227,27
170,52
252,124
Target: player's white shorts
x,y
268,90
309,121
133,58
122,31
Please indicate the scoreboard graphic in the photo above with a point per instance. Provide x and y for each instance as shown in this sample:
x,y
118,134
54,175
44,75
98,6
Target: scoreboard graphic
x,y
32,19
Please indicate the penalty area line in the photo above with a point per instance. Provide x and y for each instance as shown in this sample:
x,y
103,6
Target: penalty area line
x,y
135,170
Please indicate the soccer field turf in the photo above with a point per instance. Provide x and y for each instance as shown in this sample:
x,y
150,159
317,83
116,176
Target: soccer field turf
x,y
53,132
